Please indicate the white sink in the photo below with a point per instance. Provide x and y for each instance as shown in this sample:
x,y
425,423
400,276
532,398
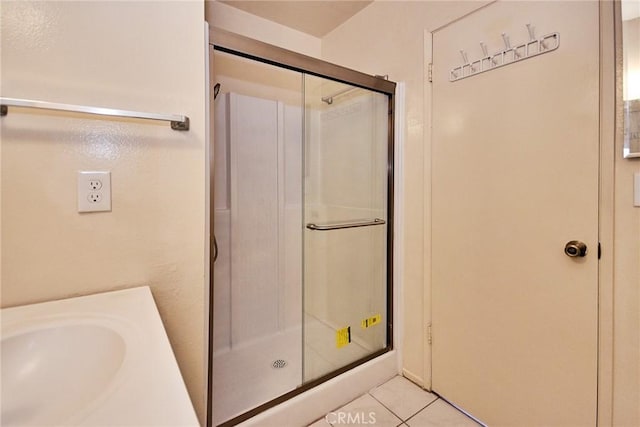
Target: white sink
x,y
97,360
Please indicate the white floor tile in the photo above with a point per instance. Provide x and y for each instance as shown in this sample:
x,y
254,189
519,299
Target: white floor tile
x,y
441,414
402,397
365,411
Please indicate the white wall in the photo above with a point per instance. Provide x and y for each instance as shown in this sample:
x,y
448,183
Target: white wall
x,y
387,38
146,56
229,18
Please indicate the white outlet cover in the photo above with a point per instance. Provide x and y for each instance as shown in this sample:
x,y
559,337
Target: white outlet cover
x,y
90,199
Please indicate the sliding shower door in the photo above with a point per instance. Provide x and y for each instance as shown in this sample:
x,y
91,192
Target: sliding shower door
x,y
346,218
257,276
302,222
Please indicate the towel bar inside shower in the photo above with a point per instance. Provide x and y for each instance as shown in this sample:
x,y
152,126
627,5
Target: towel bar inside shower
x,y
341,225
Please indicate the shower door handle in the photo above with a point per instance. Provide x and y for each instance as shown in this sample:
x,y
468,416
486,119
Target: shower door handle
x,y
215,249
340,225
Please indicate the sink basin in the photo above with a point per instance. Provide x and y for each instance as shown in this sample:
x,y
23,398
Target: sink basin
x,y
98,360
52,373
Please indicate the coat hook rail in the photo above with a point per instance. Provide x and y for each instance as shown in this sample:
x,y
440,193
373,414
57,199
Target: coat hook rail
x,y
508,55
178,122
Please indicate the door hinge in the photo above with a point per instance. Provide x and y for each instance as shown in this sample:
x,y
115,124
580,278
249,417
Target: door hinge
x,y
430,72
599,250
429,339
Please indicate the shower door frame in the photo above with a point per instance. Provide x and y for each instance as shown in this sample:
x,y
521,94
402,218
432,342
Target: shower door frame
x,y
245,47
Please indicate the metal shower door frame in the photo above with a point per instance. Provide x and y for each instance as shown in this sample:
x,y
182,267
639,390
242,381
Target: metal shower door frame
x,y
235,44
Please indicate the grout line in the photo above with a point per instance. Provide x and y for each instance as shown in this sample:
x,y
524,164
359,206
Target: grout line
x,y
320,419
385,406
419,410
429,404
462,411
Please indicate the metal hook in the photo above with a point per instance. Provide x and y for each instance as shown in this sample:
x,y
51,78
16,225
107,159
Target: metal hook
x,y
485,51
507,46
466,61
532,35
464,57
505,38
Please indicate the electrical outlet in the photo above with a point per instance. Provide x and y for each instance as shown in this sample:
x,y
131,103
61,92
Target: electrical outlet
x,y
94,198
94,191
95,184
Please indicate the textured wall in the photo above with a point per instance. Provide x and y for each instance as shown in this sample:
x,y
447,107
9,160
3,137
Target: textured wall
x,y
146,56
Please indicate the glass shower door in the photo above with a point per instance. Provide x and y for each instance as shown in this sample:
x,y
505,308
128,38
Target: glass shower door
x,y
346,220
257,338
301,216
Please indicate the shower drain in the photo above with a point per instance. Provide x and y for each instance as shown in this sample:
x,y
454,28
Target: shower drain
x,y
278,364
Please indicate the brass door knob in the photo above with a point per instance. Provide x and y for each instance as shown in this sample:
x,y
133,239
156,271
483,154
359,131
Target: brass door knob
x,y
575,249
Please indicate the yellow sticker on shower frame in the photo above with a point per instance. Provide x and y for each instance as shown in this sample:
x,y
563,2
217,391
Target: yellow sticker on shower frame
x,y
343,337
371,321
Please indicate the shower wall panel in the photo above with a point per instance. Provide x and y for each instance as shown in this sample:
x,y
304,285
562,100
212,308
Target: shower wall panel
x,y
258,219
255,238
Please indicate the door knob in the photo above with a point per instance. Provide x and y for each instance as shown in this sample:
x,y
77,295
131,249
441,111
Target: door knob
x,y
575,249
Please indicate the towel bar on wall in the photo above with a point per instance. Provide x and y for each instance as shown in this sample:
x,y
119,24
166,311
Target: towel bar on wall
x,y
178,122
339,225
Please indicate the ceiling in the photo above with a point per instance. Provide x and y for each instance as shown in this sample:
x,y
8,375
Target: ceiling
x,y
315,17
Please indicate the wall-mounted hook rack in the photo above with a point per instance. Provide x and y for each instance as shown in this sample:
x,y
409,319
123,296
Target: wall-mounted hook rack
x,y
508,55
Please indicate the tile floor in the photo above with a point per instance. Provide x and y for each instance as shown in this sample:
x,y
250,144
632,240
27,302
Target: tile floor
x,y
398,402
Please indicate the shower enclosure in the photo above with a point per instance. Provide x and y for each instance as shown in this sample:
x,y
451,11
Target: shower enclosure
x,y
302,217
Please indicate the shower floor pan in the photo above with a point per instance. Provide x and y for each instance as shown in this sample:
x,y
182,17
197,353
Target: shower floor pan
x,y
249,375
245,377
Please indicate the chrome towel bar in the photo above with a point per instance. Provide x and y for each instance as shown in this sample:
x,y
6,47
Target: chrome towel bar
x,y
178,122
340,225
329,99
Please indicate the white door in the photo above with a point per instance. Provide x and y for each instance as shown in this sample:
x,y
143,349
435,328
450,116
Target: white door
x,y
515,177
